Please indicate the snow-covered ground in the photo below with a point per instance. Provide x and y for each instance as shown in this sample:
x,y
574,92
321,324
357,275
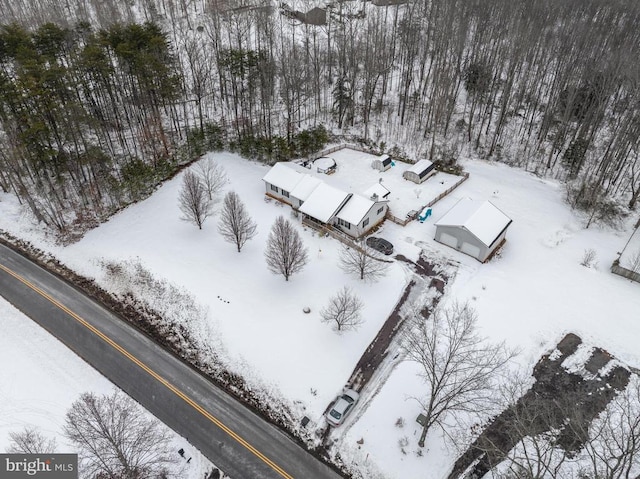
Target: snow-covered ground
x,y
40,380
354,174
269,339
529,296
533,293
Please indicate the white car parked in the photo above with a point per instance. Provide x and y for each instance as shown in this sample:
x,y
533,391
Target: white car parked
x,y
342,406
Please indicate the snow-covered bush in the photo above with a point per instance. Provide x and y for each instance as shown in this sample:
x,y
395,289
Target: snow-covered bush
x,y
589,258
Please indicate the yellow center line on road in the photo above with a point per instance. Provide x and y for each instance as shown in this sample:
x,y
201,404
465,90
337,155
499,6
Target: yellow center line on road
x,y
150,371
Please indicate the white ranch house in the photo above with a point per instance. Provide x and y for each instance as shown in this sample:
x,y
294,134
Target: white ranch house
x,y
301,192
281,180
324,204
359,215
476,228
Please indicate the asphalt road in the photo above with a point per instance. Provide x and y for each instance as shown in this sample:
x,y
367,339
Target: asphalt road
x,y
233,437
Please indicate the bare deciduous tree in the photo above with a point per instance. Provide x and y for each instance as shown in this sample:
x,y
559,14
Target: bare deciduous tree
x,y
528,433
193,200
609,444
115,437
457,365
343,310
285,253
212,176
235,226
613,447
363,262
30,441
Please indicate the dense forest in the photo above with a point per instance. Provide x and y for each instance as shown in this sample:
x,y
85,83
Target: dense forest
x,y
102,100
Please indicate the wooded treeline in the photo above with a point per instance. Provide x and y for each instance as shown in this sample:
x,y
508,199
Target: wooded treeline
x,y
82,114
93,107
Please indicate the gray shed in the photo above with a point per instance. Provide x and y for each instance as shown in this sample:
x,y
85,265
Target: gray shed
x,y
382,163
474,228
419,172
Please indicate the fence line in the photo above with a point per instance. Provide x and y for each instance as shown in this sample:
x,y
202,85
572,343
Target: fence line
x,y
397,220
389,216
412,215
341,146
465,177
624,272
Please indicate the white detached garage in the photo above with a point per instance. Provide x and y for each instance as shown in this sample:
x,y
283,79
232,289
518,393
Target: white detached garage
x,y
476,228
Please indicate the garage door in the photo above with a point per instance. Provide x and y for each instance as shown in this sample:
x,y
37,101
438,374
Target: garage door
x,y
449,240
471,250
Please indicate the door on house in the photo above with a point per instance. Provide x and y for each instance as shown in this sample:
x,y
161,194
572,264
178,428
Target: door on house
x,y
470,249
449,240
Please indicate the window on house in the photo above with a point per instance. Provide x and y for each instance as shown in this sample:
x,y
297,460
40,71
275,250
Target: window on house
x,y
285,194
344,223
365,222
274,188
380,210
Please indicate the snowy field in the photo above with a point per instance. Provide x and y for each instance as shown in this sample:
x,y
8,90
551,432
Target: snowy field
x,y
258,315
530,295
355,175
45,378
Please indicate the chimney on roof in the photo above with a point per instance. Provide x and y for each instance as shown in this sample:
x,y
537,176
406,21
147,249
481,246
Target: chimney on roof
x,y
380,180
374,197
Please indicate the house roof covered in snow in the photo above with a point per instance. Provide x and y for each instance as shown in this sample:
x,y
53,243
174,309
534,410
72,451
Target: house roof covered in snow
x,y
421,168
355,210
323,202
377,189
283,175
481,218
305,187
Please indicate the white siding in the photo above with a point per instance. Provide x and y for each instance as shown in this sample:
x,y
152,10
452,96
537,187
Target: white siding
x,y
449,240
471,250
277,193
360,229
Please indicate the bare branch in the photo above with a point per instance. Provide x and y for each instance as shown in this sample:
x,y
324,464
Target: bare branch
x,y
285,253
527,442
613,448
236,226
30,441
343,310
212,175
193,201
363,262
457,365
115,437
634,262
